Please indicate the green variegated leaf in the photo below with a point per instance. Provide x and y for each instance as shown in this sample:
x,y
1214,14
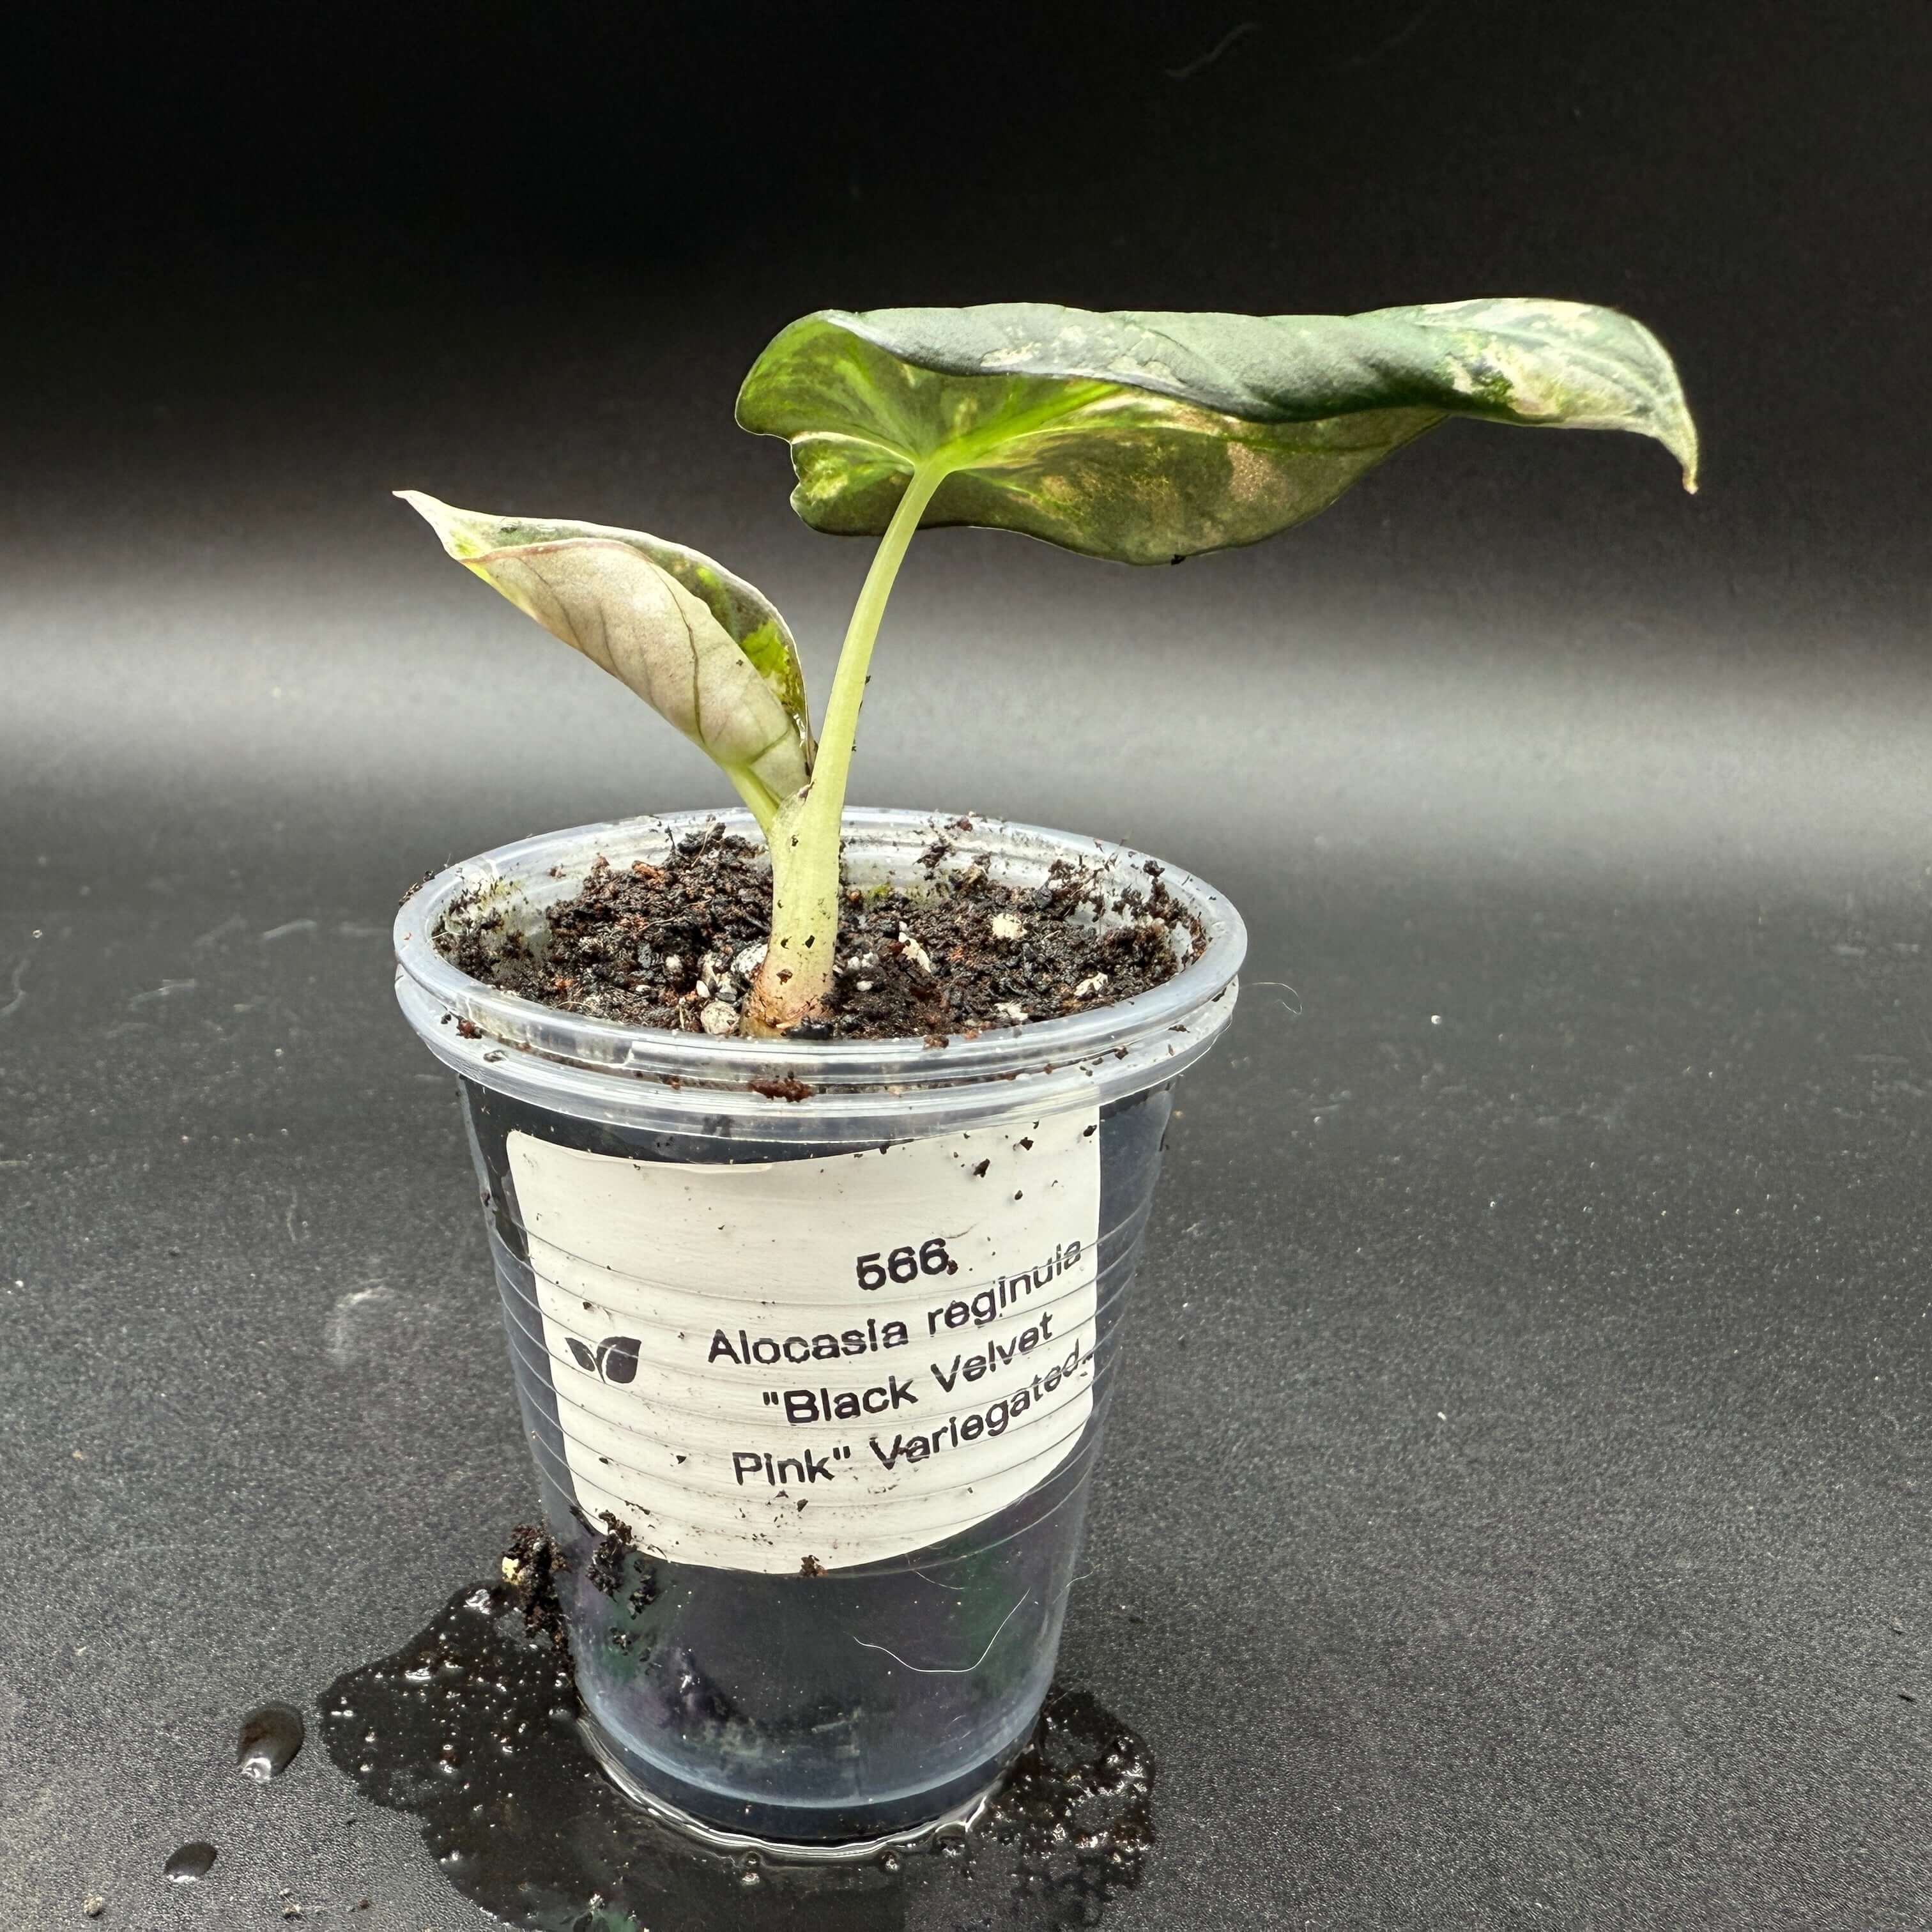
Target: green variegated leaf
x,y
1147,437
701,647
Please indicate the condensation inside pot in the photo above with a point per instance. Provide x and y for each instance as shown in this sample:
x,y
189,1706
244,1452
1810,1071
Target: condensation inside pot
x,y
827,1708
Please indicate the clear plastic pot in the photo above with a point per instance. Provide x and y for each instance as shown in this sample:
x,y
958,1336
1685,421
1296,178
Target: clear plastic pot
x,y
884,1683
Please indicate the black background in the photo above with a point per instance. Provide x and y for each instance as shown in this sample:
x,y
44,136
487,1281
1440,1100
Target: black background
x,y
1520,1481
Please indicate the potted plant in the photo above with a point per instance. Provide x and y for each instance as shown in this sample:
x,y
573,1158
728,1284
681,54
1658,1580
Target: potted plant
x,y
816,1144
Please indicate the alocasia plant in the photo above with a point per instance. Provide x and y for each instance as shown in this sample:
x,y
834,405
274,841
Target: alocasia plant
x,y
1143,438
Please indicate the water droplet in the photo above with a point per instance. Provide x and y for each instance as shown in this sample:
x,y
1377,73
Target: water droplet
x,y
190,1863
271,1735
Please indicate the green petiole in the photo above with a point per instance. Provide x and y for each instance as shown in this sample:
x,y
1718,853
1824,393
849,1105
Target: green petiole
x,y
795,981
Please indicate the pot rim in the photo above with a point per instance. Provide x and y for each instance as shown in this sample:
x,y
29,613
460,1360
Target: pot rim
x,y
584,1064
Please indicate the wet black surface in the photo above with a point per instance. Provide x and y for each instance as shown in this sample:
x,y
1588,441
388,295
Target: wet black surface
x,y
470,1730
1516,1489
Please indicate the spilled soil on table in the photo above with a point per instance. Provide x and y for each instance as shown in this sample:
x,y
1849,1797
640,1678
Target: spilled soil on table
x,y
472,1727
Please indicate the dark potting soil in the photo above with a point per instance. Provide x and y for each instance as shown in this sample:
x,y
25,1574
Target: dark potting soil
x,y
532,1561
676,946
530,1567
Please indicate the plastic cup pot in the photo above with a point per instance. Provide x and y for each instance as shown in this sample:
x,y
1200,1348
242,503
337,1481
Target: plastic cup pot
x,y
813,1341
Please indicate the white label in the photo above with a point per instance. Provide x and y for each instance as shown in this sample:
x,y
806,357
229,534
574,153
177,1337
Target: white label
x,y
824,1362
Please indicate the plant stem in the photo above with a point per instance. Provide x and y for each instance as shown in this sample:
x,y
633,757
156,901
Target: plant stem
x,y
756,795
793,983
827,795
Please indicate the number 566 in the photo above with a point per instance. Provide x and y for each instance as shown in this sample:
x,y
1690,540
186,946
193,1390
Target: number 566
x,y
906,1264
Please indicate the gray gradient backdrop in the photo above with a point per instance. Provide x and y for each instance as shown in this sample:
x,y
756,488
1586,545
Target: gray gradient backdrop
x,y
1519,1479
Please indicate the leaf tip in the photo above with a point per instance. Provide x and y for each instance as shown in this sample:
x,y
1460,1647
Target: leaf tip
x,y
453,527
1687,453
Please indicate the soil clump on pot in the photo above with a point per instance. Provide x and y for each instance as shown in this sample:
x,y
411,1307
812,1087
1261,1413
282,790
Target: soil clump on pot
x,y
675,945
